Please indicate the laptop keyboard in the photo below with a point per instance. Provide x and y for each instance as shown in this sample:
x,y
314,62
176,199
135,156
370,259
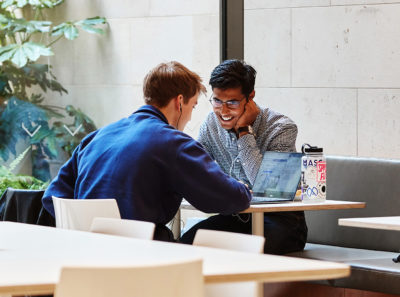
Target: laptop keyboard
x,y
266,200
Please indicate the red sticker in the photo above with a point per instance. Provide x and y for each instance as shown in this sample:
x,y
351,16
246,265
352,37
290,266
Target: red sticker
x,y
321,171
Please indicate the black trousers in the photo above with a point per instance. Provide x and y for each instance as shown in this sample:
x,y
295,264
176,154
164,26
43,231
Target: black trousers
x,y
163,233
284,232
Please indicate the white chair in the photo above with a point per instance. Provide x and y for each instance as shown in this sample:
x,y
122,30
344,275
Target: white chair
x,y
183,279
128,228
237,242
78,214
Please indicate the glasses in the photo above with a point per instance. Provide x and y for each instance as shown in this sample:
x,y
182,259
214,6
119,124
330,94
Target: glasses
x,y
231,104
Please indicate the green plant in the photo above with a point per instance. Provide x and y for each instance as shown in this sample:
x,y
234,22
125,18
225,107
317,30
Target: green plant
x,y
24,81
8,179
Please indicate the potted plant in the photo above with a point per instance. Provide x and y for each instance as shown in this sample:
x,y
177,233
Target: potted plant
x,y
24,81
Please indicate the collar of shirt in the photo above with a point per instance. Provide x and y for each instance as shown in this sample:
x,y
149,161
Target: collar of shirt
x,y
152,110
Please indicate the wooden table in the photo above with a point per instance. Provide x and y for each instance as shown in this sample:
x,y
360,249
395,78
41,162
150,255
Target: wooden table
x,y
31,258
259,210
385,223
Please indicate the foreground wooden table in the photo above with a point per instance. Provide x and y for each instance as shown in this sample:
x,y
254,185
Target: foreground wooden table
x,y
385,223
31,258
259,210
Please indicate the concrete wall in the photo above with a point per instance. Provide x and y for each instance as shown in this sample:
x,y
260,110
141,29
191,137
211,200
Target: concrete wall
x,y
104,74
333,66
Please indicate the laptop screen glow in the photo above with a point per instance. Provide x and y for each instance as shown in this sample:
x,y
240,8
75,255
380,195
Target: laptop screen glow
x,y
278,176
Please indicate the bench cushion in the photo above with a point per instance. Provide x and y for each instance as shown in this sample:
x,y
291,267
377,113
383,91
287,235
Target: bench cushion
x,y
370,270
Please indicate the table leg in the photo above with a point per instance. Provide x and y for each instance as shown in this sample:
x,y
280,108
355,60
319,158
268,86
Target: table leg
x,y
257,223
257,228
260,290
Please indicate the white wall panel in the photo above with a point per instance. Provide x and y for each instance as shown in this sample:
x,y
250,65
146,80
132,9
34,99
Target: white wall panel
x,y
257,4
267,45
156,40
325,117
183,7
379,123
103,59
80,9
103,103
352,2
346,46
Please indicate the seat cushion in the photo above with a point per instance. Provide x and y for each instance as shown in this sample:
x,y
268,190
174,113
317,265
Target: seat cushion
x,y
340,254
370,270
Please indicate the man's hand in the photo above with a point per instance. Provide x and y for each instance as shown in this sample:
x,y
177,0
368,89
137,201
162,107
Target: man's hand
x,y
247,186
249,115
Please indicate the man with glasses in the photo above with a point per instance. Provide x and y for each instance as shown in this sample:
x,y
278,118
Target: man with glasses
x,y
236,134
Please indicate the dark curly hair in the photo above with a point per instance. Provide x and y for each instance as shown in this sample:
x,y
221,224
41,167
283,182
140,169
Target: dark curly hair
x,y
233,74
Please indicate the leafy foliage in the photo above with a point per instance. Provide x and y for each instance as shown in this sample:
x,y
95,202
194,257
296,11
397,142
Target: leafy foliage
x,y
70,29
19,54
16,114
24,82
8,179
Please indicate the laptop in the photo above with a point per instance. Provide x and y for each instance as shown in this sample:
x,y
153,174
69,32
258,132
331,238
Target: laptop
x,y
278,178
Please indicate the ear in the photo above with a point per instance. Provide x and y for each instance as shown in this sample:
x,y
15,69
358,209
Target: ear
x,y
252,94
178,102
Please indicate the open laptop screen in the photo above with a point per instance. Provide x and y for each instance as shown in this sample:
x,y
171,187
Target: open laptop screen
x,y
278,176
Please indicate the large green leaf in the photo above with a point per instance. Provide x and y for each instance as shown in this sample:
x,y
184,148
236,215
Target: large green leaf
x,y
89,24
6,52
94,21
22,3
20,54
22,25
67,29
3,19
7,3
91,29
7,48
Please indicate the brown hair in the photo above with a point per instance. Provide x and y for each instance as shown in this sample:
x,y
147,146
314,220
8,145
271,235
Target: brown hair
x,y
167,81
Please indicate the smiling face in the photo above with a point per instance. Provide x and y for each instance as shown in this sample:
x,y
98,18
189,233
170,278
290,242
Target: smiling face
x,y
229,116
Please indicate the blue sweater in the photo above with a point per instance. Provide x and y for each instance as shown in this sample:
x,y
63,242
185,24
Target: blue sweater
x,y
148,167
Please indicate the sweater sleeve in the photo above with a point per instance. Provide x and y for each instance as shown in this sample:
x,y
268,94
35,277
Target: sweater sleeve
x,y
203,184
63,185
250,154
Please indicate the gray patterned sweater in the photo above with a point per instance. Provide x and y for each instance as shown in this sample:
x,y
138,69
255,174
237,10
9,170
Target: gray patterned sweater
x,y
241,158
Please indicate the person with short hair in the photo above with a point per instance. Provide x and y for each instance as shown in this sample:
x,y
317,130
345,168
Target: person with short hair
x,y
236,134
147,163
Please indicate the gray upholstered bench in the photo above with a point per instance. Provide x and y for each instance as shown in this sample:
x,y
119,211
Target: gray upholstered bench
x,y
368,251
